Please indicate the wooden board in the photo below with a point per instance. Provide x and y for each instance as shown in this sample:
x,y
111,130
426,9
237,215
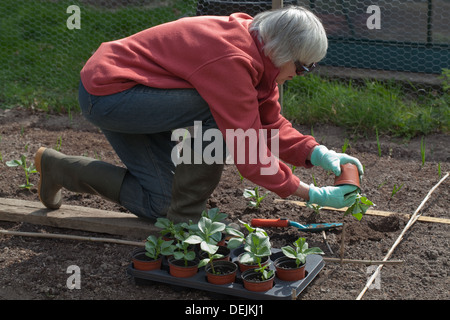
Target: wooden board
x,y
78,218
375,212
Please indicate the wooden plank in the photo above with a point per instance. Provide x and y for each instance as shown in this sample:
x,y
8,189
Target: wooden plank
x,y
374,212
78,218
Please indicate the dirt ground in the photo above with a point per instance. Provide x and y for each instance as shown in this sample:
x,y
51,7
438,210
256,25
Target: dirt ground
x,y
36,269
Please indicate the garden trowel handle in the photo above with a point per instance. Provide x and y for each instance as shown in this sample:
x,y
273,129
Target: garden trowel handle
x,y
270,222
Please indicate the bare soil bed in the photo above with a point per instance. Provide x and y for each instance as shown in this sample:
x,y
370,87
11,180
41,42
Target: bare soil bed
x,y
35,269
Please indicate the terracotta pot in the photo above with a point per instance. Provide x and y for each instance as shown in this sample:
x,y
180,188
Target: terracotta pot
x,y
244,267
226,272
144,263
222,250
287,269
252,281
177,268
349,175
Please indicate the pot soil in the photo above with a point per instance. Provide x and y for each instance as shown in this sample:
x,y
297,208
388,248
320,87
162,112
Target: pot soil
x,y
287,270
253,281
222,250
144,263
349,175
179,269
244,267
225,272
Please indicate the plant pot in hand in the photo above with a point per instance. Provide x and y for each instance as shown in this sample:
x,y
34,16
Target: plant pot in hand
x,y
349,175
182,268
253,281
224,272
287,270
142,262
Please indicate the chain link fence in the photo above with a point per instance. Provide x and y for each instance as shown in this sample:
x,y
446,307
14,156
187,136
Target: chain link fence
x,y
45,43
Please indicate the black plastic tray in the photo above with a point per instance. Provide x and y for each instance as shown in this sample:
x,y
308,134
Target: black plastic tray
x,y
282,290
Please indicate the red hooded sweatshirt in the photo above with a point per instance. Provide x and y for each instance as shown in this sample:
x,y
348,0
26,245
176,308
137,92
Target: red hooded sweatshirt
x,y
225,63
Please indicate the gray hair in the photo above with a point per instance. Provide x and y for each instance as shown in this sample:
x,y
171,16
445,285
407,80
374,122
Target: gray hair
x,y
289,34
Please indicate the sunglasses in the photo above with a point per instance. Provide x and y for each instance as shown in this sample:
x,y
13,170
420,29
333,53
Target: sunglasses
x,y
300,68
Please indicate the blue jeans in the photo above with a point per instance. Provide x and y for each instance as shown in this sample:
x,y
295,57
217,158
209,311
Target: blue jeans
x,y
137,123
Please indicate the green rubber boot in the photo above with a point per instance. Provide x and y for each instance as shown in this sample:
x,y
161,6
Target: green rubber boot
x,y
192,185
77,174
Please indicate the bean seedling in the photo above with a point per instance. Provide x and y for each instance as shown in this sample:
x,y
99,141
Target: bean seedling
x,y
300,251
359,207
27,169
254,194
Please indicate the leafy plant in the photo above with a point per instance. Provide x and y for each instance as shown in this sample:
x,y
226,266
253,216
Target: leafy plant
x,y
155,247
169,229
359,207
300,251
346,145
27,169
257,246
182,250
208,242
254,195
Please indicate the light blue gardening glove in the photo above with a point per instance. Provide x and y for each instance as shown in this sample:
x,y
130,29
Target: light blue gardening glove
x,y
330,160
336,197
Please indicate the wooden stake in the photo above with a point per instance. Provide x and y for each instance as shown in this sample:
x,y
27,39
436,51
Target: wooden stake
x,y
411,221
70,237
367,262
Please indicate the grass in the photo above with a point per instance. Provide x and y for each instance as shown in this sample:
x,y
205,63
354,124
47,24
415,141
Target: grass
x,y
365,108
40,61
40,58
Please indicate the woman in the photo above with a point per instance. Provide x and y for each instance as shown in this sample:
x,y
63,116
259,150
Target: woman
x,y
221,72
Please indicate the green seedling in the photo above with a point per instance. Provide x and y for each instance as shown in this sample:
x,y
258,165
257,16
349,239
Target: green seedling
x,y
300,251
155,247
422,151
359,207
58,144
169,229
254,195
182,250
257,246
27,169
378,142
396,189
346,145
207,235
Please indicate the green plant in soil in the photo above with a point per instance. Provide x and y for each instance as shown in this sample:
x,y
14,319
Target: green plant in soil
x,y
182,249
359,207
255,197
168,228
27,169
154,247
257,246
300,251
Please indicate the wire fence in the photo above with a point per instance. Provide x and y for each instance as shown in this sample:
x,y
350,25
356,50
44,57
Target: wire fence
x,y
45,43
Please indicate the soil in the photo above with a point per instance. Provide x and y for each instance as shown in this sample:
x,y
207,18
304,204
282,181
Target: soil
x,y
38,269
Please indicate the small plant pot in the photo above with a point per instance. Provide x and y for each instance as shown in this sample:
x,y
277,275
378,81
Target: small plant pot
x,y
253,281
144,263
287,270
244,267
225,272
222,250
177,268
349,175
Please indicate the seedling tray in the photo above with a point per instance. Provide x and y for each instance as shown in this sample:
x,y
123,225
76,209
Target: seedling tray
x,y
282,290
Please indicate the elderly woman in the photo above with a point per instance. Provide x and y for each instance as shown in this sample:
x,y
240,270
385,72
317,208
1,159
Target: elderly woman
x,y
220,72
